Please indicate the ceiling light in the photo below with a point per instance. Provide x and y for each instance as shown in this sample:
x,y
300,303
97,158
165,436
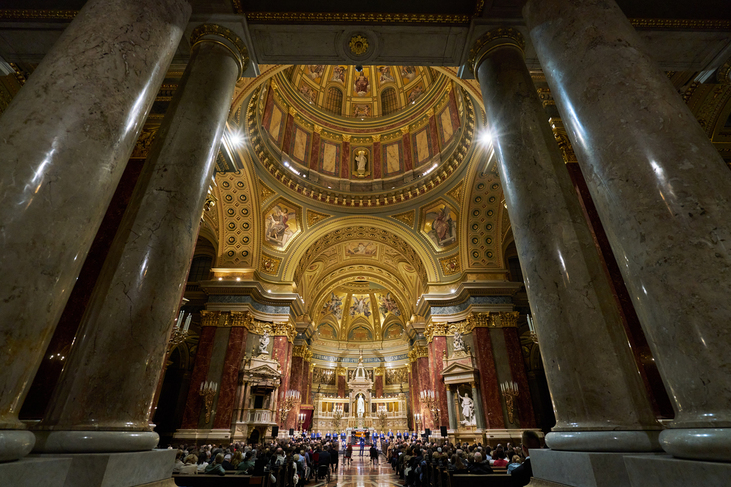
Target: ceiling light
x,y
238,278
220,278
486,137
236,139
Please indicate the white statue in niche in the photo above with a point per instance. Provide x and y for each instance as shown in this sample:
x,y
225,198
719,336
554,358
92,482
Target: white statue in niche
x,y
360,406
468,409
458,344
264,343
361,160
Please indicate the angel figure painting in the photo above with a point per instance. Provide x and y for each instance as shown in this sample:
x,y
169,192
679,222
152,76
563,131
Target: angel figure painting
x,y
360,305
281,225
365,249
386,304
385,74
441,226
333,305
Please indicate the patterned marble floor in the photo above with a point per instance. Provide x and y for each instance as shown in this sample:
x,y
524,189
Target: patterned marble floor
x,y
362,473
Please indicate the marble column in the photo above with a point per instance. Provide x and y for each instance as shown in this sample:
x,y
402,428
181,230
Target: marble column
x,y
489,383
230,377
74,122
99,407
425,382
480,418
577,320
663,194
516,362
378,379
452,419
438,348
341,384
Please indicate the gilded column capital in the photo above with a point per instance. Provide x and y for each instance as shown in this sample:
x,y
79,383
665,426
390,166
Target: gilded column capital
x,y
379,370
241,318
491,40
341,371
562,139
481,320
302,351
418,352
210,318
435,330
224,37
509,319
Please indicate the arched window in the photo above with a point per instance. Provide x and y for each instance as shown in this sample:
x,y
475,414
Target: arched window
x,y
389,103
200,268
334,101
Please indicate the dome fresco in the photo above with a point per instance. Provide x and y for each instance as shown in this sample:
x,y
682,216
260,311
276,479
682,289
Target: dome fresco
x,y
374,91
359,311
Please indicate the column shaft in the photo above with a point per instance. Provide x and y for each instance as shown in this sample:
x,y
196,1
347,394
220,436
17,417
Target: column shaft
x,y
76,120
478,409
452,419
437,348
489,384
577,320
517,371
230,377
133,306
200,371
663,194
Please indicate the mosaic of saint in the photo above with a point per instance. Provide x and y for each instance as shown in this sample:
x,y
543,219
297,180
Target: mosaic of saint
x,y
392,332
362,249
333,305
441,226
386,305
327,332
280,224
360,305
360,334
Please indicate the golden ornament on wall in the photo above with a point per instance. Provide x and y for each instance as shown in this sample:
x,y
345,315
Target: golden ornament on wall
x,y
358,45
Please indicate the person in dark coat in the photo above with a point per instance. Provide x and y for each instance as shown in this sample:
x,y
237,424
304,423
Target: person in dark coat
x,y
521,476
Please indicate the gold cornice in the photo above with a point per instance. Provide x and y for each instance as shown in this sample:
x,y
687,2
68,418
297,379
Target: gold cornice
x,y
502,319
359,18
245,319
210,318
303,352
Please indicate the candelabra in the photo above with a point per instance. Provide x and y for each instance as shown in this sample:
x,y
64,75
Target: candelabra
x,y
300,421
337,416
291,399
382,416
208,392
180,331
429,399
417,421
532,330
510,392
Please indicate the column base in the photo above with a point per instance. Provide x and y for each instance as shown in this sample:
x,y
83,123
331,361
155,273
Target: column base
x,y
15,444
94,441
213,435
604,441
584,469
666,471
698,443
131,469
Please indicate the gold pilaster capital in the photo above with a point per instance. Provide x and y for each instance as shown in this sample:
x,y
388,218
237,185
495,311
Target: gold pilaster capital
x,y
435,329
417,352
491,40
210,318
509,319
302,351
224,37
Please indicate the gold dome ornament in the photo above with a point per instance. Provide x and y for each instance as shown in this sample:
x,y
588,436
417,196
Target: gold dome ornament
x,y
358,45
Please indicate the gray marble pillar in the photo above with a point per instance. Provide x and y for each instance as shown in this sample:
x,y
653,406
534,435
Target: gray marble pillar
x,y
478,407
104,397
453,420
64,142
598,395
663,194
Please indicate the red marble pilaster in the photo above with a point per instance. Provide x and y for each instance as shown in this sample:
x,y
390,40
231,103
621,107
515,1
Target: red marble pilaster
x,y
439,346
283,350
345,161
423,365
230,377
377,160
638,342
453,112
489,387
267,109
341,385
287,139
307,373
193,403
297,375
379,385
408,155
315,152
415,390
520,376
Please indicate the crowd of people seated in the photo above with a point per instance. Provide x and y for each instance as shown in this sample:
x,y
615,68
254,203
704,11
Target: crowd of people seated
x,y
315,459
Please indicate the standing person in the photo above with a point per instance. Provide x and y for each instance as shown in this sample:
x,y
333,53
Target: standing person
x,y
349,454
362,446
374,454
334,457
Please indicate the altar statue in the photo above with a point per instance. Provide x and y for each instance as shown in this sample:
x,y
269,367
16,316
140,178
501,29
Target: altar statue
x,y
468,409
458,343
361,406
264,343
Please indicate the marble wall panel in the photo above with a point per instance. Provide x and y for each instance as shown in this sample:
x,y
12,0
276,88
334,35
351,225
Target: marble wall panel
x,y
287,139
315,152
330,158
440,346
408,155
425,383
215,372
341,386
421,146
193,404
379,385
434,137
489,388
345,161
377,169
229,377
300,146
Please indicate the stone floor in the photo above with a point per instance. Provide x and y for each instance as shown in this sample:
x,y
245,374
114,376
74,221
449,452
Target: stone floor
x,y
362,473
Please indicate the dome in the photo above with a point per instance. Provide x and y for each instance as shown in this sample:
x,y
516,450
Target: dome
x,y
369,138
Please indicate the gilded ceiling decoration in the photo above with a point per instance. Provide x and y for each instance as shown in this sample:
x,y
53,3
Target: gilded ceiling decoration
x,y
264,192
238,242
484,210
439,224
282,223
314,217
406,217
